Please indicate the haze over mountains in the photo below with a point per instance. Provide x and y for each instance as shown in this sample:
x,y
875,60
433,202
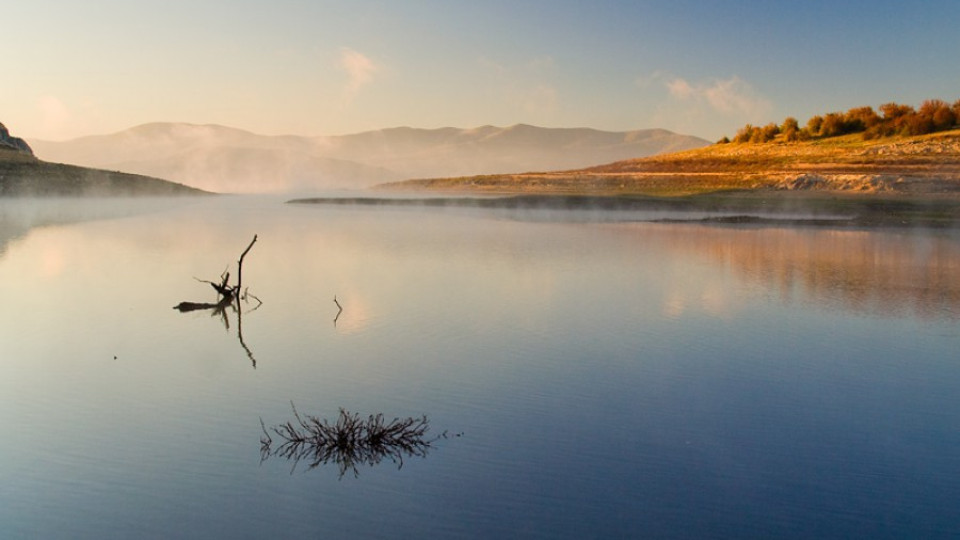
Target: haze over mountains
x,y
223,159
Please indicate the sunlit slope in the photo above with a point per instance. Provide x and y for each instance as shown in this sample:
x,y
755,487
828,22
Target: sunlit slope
x,y
922,164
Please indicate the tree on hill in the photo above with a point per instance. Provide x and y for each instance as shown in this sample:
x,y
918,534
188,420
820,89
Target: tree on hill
x,y
939,113
832,125
769,132
744,134
790,129
813,126
860,119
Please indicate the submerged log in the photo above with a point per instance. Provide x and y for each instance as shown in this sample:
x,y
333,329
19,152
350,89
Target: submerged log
x,y
186,307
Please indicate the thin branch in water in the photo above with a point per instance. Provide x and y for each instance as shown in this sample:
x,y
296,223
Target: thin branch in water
x,y
240,265
339,310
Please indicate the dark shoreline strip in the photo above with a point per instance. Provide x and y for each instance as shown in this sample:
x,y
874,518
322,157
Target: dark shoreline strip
x,y
746,208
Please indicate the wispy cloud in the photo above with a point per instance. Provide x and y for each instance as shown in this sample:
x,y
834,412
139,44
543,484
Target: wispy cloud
x,y
732,97
541,101
360,71
55,117
526,86
706,107
680,89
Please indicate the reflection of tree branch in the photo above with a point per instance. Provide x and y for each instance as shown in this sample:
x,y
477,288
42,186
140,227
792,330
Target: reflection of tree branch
x,y
246,295
349,442
240,333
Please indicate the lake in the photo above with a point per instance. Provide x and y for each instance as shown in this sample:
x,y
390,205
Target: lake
x,y
582,377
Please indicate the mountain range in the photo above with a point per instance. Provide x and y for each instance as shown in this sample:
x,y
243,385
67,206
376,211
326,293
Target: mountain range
x,y
223,159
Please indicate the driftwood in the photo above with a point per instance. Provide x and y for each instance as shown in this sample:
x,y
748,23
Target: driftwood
x,y
186,307
349,442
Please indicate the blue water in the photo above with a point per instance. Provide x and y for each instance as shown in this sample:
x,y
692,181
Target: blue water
x,y
595,380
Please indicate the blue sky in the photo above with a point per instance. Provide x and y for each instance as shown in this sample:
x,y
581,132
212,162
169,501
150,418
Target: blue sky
x,y
331,67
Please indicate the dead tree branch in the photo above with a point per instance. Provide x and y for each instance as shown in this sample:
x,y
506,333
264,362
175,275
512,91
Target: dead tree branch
x,y
226,292
236,289
228,296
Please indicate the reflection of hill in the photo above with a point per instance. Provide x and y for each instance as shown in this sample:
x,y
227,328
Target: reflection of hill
x,y
880,273
19,216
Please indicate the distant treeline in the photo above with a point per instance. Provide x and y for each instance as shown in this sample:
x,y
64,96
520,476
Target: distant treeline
x,y
894,119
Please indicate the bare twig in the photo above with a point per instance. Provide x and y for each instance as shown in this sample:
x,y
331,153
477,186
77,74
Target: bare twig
x,y
240,266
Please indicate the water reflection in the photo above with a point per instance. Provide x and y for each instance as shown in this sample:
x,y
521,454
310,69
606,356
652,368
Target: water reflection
x,y
876,272
18,216
348,443
547,335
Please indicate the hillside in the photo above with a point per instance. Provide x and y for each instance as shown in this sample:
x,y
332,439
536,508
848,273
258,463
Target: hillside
x,y
35,178
23,175
219,158
927,164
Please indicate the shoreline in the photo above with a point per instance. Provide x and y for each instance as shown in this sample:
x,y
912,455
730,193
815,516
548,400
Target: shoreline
x,y
728,208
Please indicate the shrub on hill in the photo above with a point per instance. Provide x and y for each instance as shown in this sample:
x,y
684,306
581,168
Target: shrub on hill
x,y
894,119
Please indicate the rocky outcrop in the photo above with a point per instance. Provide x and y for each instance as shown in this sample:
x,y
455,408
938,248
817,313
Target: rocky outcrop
x,y
13,143
867,183
841,182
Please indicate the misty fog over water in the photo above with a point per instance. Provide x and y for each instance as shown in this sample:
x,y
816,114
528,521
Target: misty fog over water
x,y
594,378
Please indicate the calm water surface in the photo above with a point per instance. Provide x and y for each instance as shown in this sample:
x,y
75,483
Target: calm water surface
x,y
618,379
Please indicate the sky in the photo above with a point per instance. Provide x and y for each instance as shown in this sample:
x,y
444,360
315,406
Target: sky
x,y
330,67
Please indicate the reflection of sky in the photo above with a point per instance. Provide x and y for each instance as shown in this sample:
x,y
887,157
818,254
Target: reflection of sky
x,y
608,378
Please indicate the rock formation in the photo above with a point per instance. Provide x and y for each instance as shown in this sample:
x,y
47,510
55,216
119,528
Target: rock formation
x,y
13,143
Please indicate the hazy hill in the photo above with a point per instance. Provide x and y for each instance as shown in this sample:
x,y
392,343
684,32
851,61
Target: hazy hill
x,y
224,159
23,175
35,178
